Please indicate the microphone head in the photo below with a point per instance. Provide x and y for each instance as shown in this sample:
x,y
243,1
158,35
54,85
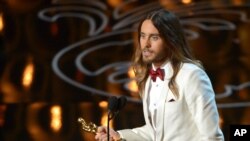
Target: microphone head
x,y
113,103
121,102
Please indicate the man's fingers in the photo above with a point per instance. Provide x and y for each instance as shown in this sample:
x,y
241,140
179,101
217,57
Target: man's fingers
x,y
101,129
101,134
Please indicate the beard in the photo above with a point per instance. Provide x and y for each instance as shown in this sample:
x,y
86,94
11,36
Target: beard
x,y
149,56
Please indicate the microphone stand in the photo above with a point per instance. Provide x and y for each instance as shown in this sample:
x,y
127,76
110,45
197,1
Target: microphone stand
x,y
108,125
110,116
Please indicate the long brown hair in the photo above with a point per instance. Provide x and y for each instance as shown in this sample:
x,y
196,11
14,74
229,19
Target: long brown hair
x,y
177,48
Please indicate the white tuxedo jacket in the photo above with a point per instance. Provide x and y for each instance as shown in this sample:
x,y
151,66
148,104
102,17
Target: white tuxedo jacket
x,y
191,117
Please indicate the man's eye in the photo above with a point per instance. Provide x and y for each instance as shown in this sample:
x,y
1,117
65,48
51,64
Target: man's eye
x,y
155,38
142,36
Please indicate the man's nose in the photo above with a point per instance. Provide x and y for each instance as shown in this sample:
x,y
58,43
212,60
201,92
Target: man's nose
x,y
148,43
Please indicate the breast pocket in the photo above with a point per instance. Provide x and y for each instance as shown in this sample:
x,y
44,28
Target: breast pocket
x,y
173,109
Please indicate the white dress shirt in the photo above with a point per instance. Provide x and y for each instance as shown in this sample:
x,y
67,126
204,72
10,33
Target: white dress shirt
x,y
155,96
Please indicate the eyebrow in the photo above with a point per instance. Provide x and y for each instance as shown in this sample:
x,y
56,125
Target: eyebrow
x,y
153,34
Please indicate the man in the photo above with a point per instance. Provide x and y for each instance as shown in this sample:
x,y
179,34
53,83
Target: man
x,y
178,105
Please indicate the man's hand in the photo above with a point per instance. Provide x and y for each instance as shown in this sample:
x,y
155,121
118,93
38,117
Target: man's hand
x,y
101,134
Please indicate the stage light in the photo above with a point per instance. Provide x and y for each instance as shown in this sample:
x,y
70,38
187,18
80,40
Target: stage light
x,y
56,118
28,75
1,22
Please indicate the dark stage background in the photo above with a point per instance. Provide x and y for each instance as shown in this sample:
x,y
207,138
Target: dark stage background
x,y
62,59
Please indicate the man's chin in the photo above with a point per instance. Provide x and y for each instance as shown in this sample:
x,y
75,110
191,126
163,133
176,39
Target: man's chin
x,y
147,61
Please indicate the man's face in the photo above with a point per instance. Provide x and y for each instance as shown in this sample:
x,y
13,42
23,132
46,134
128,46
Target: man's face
x,y
152,45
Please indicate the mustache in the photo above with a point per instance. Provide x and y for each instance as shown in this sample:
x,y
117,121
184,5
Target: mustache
x,y
146,49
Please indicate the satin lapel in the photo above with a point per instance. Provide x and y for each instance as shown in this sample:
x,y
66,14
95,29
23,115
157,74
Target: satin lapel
x,y
145,97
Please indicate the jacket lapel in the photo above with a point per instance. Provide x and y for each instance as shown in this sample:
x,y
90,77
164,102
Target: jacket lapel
x,y
161,112
145,102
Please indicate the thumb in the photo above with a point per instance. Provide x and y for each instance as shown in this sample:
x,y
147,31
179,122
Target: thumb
x,y
115,135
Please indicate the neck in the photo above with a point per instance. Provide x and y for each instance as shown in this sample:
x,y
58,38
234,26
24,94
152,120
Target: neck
x,y
157,65
159,62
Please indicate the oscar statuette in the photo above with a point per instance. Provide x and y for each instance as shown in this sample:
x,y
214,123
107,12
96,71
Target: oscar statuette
x,y
88,127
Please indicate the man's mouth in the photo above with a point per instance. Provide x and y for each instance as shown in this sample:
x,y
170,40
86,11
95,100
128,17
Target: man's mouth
x,y
146,52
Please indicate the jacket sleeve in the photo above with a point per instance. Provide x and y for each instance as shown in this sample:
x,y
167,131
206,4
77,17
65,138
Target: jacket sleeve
x,y
200,99
136,134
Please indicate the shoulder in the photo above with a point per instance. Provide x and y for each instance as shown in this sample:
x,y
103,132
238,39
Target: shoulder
x,y
189,71
189,68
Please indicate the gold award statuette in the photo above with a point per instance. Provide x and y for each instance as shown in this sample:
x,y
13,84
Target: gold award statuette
x,y
88,127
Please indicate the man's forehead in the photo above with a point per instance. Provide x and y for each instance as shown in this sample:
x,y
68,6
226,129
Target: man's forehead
x,y
148,26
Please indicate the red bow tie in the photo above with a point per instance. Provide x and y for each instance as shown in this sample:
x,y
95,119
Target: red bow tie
x,y
158,73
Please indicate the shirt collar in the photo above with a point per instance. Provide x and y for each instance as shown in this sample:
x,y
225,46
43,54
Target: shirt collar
x,y
167,68
163,66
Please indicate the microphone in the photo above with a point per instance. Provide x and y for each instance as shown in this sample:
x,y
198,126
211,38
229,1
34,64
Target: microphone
x,y
114,106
